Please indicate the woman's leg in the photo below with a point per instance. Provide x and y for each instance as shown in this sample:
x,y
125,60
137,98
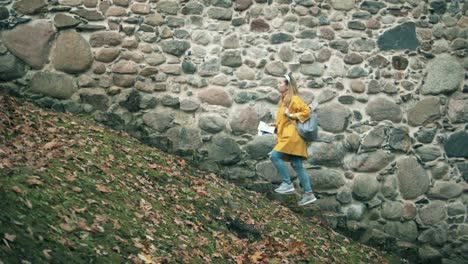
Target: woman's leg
x,y
276,159
296,163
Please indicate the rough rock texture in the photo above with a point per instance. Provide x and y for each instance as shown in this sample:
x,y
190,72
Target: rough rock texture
x,y
195,78
31,42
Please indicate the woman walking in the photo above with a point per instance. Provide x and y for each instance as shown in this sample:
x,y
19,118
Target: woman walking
x,y
289,144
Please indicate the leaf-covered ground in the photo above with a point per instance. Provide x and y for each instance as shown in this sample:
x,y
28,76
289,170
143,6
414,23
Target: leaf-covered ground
x,y
73,191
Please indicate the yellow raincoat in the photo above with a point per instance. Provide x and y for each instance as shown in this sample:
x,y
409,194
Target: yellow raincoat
x,y
288,139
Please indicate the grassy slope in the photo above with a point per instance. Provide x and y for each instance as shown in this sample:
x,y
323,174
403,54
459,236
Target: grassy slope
x,y
72,191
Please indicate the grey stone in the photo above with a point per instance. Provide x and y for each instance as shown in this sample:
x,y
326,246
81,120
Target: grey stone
x,y
326,179
192,8
372,7
175,47
275,68
369,162
383,109
342,4
333,117
159,121
354,211
278,38
167,7
455,145
357,72
356,25
340,44
123,80
212,123
220,13
189,104
185,141
399,38
29,7
315,69
463,169
72,53
439,171
444,75
309,21
101,38
107,54
260,146
378,61
64,21
245,120
285,53
433,213
224,150
406,231
413,179
458,109
215,96
365,187
30,42
392,210
210,67
148,101
11,68
231,58
97,98
374,138
424,112
344,196
331,154
390,187
307,34
435,236
267,171
439,6
428,153
90,15
243,97
456,208
59,86
426,134
170,100
399,139
353,58
445,190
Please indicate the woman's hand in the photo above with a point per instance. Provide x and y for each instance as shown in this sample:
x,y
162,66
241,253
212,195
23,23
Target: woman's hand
x,y
286,112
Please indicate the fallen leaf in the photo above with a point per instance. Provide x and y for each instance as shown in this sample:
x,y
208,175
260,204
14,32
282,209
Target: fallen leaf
x,y
17,189
102,188
46,253
66,227
10,238
51,145
146,258
34,181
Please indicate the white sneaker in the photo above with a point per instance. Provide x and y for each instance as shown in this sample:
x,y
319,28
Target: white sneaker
x,y
285,188
307,199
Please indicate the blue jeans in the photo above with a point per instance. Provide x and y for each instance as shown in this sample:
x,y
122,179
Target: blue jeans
x,y
296,163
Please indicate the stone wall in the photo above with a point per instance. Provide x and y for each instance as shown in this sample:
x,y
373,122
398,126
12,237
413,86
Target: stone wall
x,y
195,77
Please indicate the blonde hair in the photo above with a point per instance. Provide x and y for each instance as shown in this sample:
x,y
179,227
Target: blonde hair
x,y
292,88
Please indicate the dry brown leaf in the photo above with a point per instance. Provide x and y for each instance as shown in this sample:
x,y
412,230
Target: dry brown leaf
x,y
102,188
67,227
79,210
34,181
146,258
46,253
10,237
17,189
51,145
